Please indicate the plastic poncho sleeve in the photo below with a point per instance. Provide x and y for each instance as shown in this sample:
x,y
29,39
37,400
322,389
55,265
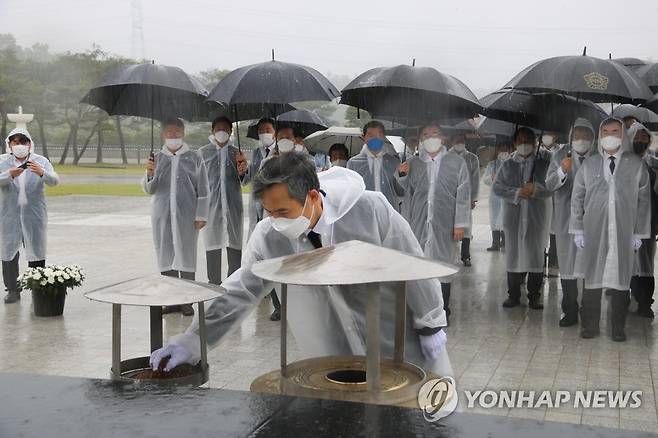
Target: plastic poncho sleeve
x,y
475,179
554,179
242,292
488,178
576,225
642,229
424,296
502,187
203,193
50,177
463,199
5,178
149,185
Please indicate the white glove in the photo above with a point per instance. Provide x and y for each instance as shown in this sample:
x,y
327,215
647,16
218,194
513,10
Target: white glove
x,y
637,243
431,346
179,355
579,240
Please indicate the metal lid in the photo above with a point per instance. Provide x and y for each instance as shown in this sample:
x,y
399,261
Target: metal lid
x,y
352,262
155,290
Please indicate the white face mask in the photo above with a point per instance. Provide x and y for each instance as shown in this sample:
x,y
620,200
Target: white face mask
x,y
459,147
266,139
432,145
293,228
20,150
299,147
222,137
503,155
547,140
581,146
174,143
610,143
339,163
525,149
285,145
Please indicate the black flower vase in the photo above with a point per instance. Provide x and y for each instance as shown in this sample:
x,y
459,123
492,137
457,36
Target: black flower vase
x,y
48,303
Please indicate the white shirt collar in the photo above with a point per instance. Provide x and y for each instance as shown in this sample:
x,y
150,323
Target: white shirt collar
x,y
323,226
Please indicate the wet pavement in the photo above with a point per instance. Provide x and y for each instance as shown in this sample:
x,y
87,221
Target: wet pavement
x,y
490,347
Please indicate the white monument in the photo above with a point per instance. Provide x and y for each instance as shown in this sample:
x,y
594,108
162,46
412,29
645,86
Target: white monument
x,y
20,119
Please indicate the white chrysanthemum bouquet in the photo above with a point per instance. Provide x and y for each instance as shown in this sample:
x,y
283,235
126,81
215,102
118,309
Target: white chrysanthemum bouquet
x,y
52,278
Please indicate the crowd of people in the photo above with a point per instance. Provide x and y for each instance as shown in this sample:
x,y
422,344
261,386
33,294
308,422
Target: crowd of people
x,y
585,207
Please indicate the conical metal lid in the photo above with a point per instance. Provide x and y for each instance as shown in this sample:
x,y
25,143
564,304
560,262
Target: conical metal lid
x,y
352,262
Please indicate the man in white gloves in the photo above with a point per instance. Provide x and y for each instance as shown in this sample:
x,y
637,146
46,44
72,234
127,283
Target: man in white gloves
x,y
308,211
610,214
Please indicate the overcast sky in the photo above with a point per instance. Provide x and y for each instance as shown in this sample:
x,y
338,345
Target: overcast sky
x,y
482,42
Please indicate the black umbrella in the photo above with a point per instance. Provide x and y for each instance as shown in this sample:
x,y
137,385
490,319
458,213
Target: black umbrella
x,y
150,90
652,104
410,95
632,63
649,74
542,111
584,77
303,121
498,128
272,86
644,115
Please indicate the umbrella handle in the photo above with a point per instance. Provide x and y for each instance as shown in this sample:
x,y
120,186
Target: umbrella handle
x,y
237,126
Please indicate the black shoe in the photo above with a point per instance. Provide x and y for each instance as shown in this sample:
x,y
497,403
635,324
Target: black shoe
x,y
588,333
568,321
466,262
511,302
536,304
12,297
170,309
447,310
645,313
187,310
276,315
618,336
493,248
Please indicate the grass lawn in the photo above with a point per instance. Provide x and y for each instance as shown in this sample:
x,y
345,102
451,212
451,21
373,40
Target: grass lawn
x,y
100,169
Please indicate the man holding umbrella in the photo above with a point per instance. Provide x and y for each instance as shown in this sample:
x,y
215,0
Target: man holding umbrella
x,y
458,142
610,214
438,194
561,173
550,147
226,167
377,168
521,183
177,180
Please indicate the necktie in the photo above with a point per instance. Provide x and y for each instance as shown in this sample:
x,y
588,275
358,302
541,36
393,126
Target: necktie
x,y
581,159
315,239
612,165
267,152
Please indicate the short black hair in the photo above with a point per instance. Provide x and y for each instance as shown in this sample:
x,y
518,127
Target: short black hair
x,y
221,119
521,129
173,121
269,120
295,169
339,147
21,138
374,124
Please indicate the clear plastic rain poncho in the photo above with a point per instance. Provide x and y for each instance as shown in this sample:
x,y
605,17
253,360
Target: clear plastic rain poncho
x,y
439,195
610,210
473,165
225,223
378,173
561,188
23,209
256,213
644,257
525,221
329,321
179,190
495,201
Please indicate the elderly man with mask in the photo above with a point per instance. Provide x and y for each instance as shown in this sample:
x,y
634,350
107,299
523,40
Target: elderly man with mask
x,y
610,214
23,209
495,201
458,142
226,167
643,282
438,193
377,168
561,173
521,183
307,211
266,135
177,181
338,155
